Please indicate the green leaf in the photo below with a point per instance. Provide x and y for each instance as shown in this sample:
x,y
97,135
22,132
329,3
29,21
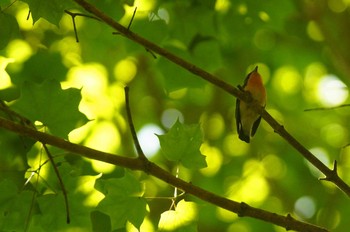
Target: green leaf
x,y
48,103
50,10
123,201
182,143
9,29
182,219
40,67
14,207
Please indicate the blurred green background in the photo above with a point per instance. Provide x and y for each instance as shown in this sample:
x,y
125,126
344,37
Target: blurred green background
x,y
302,50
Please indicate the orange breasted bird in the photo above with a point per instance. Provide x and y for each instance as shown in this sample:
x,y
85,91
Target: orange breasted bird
x,y
247,120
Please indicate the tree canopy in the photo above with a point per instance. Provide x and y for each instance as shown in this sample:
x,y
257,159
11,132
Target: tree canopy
x,y
119,115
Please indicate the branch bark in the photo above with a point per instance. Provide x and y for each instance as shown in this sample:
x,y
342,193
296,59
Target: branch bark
x,y
240,208
330,174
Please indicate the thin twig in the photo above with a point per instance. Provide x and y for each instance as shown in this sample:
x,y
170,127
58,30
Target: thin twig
x,y
139,151
73,15
132,18
64,192
327,108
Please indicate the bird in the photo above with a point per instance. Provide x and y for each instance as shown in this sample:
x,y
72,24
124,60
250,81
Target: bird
x,y
247,119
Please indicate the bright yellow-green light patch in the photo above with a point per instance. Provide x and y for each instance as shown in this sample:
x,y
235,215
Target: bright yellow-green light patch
x,y
264,16
334,134
314,31
18,50
214,125
185,214
233,146
242,9
125,70
144,8
79,134
274,167
177,94
85,185
22,15
5,80
252,188
105,137
92,78
225,215
222,6
287,80
145,226
214,160
70,51
332,91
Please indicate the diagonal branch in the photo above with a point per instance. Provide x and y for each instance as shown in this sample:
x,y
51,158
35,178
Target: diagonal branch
x,y
242,209
331,175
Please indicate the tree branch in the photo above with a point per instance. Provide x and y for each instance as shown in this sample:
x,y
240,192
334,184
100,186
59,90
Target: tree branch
x,y
242,209
331,175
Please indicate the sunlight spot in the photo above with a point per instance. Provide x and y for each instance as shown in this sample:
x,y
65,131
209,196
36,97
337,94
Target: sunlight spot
x,y
125,70
5,80
214,125
146,225
233,146
287,80
19,50
274,167
21,17
332,91
264,16
222,6
148,140
85,185
169,116
92,77
252,188
242,9
305,207
314,31
225,215
177,94
214,160
185,214
104,137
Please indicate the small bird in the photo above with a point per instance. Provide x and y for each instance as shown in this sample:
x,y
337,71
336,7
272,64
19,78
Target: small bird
x,y
247,120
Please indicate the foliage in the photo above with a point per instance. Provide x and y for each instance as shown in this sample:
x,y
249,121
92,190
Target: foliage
x,y
58,84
